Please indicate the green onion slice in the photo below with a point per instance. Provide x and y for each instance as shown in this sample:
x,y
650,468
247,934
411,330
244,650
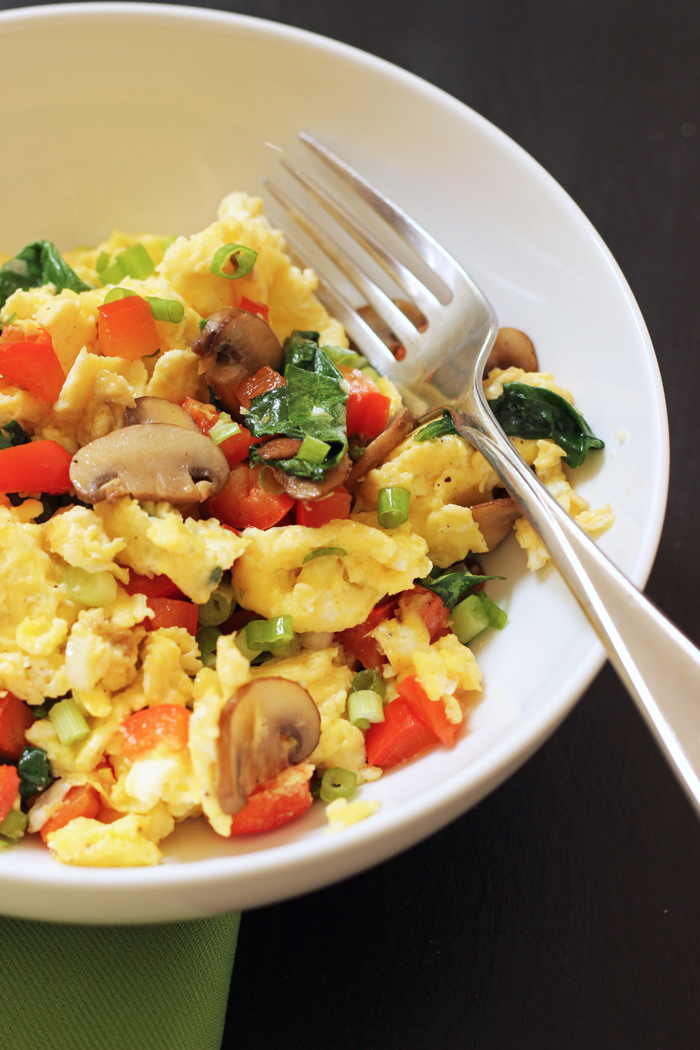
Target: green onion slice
x,y
218,608
222,429
90,588
266,635
166,309
337,783
68,722
102,262
369,680
241,643
371,372
340,356
365,707
118,293
469,618
392,509
12,827
321,552
114,274
242,260
313,450
136,262
207,637
497,617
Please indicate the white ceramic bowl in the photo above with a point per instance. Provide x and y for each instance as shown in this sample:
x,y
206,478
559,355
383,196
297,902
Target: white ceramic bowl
x,y
144,116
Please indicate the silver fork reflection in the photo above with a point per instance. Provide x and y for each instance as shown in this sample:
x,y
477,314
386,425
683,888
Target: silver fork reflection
x,y
443,367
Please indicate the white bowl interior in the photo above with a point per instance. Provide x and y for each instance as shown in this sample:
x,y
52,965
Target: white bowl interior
x,y
144,117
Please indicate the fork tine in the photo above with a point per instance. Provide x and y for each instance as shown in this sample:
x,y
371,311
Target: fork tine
x,y
415,289
387,310
432,254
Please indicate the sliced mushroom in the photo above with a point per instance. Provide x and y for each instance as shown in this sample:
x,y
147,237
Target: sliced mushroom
x,y
233,345
381,328
495,519
302,488
279,448
151,461
158,410
512,349
399,427
266,726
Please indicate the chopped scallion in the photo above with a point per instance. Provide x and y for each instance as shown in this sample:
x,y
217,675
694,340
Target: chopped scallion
x,y
12,827
114,273
90,588
264,635
371,372
338,552
118,293
469,618
313,450
207,637
102,262
68,722
222,429
369,680
340,356
218,608
241,643
497,617
392,509
286,652
365,707
136,262
337,783
166,309
240,258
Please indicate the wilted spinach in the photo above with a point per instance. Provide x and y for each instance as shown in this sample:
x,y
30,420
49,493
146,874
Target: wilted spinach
x,y
453,586
536,412
37,264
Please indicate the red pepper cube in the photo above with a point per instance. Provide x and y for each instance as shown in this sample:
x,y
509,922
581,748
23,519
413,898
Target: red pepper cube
x,y
127,329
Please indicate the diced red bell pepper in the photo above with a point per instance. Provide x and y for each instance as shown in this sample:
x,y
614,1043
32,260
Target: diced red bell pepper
x,y
153,586
368,409
205,416
32,365
81,801
168,612
243,502
39,466
316,513
255,308
15,720
264,380
126,329
164,724
432,712
357,641
431,609
237,447
273,803
402,735
9,786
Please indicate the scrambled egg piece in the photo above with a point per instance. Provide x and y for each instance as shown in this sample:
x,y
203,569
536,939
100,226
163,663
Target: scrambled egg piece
x,y
78,536
192,553
341,813
445,477
329,593
125,843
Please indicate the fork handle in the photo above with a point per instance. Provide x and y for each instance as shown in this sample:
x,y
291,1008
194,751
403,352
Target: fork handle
x,y
658,664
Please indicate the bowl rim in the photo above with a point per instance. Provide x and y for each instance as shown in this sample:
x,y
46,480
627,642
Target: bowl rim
x,y
401,827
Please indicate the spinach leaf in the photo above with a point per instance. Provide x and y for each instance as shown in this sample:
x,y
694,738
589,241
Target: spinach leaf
x,y
37,264
312,403
13,433
437,429
34,771
453,586
535,412
300,348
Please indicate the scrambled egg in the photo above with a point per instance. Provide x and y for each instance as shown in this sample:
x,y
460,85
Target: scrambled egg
x,y
107,659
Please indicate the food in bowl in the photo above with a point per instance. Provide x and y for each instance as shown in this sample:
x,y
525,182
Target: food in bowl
x,y
236,572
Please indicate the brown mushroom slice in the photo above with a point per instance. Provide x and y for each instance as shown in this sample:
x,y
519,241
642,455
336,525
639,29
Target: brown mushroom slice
x,y
233,345
266,726
381,328
158,410
495,519
151,461
399,427
279,448
303,488
512,349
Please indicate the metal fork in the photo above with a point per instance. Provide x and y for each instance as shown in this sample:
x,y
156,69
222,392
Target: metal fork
x,y
443,367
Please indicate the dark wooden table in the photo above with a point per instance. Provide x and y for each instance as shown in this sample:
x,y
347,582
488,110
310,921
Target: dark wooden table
x,y
563,912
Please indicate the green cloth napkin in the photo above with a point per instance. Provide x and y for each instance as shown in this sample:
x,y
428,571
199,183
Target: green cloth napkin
x,y
161,987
